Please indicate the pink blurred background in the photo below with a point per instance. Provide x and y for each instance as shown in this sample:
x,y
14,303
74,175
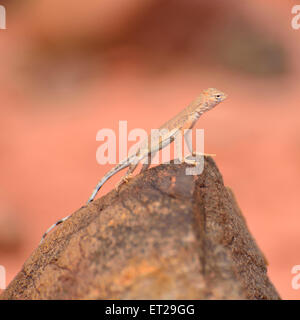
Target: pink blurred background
x,y
69,69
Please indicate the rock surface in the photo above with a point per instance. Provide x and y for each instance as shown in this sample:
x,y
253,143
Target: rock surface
x,y
165,235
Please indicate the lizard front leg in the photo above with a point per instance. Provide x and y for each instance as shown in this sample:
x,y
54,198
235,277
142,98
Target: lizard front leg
x,y
188,140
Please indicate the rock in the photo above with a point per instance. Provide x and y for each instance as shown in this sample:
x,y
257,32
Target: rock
x,y
165,235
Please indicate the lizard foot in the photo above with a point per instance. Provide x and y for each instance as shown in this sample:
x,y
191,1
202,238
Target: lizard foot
x,y
196,155
124,179
199,154
190,161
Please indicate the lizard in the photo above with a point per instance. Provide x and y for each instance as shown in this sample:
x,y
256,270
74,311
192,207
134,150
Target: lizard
x,y
184,120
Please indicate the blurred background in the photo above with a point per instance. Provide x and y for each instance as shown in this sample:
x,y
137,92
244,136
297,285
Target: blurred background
x,y
69,69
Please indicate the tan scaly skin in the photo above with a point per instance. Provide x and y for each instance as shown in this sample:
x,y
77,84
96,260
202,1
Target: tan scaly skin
x,y
186,119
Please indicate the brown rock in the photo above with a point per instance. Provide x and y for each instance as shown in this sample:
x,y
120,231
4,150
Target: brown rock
x,y
166,235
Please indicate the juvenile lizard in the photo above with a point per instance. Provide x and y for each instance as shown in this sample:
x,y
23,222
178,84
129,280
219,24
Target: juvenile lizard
x,y
186,119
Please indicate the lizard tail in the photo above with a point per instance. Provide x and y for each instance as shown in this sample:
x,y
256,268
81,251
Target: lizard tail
x,y
123,164
53,226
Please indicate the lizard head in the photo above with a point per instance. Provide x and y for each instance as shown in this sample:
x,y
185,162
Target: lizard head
x,y
212,97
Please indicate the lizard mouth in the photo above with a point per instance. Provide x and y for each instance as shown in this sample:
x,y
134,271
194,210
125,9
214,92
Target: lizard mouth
x,y
224,96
